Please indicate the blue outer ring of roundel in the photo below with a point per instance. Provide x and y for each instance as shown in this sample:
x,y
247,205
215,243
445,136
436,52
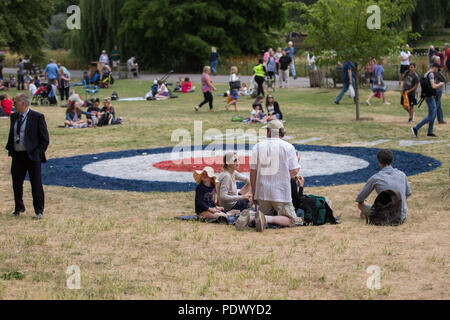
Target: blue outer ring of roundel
x,y
68,172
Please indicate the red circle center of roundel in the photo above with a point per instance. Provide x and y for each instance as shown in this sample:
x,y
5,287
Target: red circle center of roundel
x,y
191,164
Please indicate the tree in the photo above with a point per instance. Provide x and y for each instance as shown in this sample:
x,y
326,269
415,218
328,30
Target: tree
x,y
179,33
342,30
100,20
429,14
23,24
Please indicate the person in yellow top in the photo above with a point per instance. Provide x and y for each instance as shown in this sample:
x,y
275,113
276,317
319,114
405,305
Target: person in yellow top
x,y
260,76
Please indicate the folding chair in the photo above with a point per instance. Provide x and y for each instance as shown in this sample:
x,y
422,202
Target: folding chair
x,y
90,90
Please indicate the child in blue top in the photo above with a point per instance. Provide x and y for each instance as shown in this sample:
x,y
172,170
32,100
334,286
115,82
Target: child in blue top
x,y
205,207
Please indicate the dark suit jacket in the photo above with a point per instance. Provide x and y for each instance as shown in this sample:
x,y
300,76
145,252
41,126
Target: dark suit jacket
x,y
36,136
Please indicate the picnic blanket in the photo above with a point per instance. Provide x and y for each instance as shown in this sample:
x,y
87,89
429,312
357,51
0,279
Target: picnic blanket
x,y
230,221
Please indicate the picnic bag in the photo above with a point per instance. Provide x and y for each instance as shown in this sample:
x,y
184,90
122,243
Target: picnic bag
x,y
386,210
317,211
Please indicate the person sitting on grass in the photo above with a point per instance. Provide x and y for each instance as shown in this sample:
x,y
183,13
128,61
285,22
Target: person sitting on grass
x,y
228,195
12,81
187,87
107,115
243,91
94,111
257,115
205,207
386,179
3,85
27,79
273,109
6,106
162,91
32,88
179,84
73,115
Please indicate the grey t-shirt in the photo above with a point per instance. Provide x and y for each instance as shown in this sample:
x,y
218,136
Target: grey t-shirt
x,y
411,80
388,178
21,67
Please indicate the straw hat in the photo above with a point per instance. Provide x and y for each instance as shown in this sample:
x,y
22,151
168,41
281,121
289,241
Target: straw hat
x,y
209,171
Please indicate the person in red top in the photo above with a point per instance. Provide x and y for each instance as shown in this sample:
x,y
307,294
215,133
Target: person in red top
x,y
7,106
187,86
447,59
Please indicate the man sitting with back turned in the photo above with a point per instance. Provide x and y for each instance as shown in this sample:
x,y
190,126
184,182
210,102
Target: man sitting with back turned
x,y
386,179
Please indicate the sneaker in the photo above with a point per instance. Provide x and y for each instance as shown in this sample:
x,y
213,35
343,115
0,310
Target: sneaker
x,y
387,103
443,122
414,131
243,220
431,135
260,221
337,102
17,213
39,216
367,102
196,109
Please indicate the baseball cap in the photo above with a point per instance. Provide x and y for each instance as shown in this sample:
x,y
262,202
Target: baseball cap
x,y
274,125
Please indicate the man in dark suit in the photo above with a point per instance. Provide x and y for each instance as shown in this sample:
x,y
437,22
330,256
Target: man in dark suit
x,y
28,140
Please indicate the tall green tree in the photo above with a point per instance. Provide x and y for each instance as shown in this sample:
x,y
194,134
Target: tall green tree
x,y
23,24
179,33
339,31
100,20
427,15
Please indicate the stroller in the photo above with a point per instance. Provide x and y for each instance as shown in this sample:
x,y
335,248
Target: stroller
x,y
253,89
45,96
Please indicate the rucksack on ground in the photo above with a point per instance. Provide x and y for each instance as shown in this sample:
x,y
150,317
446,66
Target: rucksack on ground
x,y
317,211
386,210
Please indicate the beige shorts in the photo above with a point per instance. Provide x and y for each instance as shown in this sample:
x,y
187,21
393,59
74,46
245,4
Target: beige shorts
x,y
116,63
283,208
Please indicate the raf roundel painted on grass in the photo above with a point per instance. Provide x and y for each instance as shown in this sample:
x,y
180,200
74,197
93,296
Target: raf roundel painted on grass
x,y
155,169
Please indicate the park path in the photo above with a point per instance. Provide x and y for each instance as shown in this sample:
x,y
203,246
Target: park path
x,y
301,82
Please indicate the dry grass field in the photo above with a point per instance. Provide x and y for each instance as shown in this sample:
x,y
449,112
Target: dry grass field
x,y
129,246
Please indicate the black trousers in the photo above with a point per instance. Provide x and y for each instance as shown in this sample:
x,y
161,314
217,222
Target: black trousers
x,y
208,99
64,92
21,164
20,82
260,82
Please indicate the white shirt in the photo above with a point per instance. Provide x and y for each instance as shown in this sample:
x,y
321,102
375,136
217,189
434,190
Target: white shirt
x,y
234,78
32,88
253,115
405,55
273,159
311,60
104,58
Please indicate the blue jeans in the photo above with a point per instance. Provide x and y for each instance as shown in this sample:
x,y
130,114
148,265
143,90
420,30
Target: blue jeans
x,y
440,115
241,205
294,74
431,102
345,87
214,67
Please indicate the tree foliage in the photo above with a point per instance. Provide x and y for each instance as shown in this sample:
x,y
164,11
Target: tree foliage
x,y
23,24
338,30
100,20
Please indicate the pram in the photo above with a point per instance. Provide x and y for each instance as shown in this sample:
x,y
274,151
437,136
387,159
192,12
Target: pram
x,y
271,82
44,96
253,89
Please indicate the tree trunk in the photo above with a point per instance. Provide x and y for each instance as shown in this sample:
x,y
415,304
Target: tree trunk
x,y
356,84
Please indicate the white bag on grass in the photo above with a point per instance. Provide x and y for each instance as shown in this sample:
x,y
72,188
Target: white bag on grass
x,y
351,92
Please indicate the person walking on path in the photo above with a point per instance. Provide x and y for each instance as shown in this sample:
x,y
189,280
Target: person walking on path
x,y
290,52
214,60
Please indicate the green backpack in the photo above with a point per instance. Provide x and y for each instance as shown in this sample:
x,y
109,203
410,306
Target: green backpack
x,y
317,211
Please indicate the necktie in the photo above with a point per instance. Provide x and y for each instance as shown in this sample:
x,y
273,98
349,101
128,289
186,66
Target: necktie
x,y
19,125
